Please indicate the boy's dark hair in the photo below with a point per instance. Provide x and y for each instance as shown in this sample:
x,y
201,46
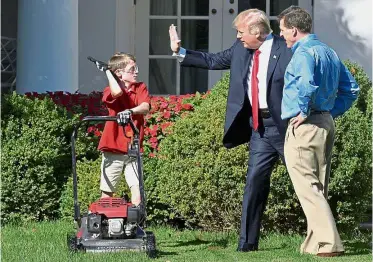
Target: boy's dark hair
x,y
295,16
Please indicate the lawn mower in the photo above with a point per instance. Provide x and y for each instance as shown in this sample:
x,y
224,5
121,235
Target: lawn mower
x,y
112,223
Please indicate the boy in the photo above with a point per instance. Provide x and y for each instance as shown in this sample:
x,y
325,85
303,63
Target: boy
x,y
123,95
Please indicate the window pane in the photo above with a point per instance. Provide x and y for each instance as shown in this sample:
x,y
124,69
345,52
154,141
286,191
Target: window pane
x,y
162,76
193,80
277,6
275,27
159,39
260,4
163,7
195,34
195,7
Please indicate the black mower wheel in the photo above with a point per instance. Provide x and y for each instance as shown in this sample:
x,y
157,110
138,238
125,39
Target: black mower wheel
x,y
151,251
72,243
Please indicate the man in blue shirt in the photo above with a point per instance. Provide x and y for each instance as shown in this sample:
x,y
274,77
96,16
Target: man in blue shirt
x,y
318,88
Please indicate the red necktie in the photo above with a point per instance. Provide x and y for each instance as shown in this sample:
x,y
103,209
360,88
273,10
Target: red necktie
x,y
255,90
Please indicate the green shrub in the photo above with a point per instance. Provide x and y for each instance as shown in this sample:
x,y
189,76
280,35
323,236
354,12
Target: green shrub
x,y
202,182
88,174
35,157
157,212
198,178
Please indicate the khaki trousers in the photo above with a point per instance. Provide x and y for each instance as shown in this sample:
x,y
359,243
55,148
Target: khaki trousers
x,y
308,152
112,167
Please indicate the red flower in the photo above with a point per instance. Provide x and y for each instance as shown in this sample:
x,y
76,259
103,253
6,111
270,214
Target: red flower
x,y
167,115
187,106
151,155
164,105
97,133
153,130
165,125
91,129
153,140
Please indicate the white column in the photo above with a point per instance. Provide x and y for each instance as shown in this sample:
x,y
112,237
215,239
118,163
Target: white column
x,y
47,46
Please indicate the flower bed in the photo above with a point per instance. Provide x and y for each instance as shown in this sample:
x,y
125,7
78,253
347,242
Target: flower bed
x,y
164,112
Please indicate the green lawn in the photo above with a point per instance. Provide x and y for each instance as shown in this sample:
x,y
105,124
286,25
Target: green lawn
x,y
47,242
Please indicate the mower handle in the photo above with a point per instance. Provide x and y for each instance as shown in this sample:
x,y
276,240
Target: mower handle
x,y
101,118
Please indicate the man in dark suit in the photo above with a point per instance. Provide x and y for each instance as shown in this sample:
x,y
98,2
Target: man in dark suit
x,y
257,63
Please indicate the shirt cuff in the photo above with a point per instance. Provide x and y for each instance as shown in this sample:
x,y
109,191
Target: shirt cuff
x,y
180,56
304,115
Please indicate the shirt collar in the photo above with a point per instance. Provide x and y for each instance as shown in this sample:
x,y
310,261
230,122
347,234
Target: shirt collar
x,y
131,88
303,41
267,44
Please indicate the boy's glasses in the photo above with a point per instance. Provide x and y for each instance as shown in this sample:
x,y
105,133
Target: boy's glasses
x,y
132,70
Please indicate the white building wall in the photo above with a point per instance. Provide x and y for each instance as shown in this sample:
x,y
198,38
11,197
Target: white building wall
x,y
346,26
47,46
105,27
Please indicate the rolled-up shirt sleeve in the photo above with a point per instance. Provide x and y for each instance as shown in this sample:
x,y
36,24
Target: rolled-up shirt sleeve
x,y
305,82
109,100
347,93
143,94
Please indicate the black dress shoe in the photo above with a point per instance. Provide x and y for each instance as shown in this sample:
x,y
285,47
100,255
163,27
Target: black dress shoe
x,y
246,248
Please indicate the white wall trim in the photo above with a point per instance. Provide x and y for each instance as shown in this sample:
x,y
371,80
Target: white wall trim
x,y
125,26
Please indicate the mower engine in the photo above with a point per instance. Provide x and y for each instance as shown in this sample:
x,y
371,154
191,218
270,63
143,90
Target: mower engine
x,y
113,218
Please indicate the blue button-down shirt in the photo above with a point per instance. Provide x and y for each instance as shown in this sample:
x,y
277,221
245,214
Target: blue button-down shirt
x,y
316,79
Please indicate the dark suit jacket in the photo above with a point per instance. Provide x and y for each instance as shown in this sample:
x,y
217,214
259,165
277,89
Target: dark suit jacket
x,y
237,129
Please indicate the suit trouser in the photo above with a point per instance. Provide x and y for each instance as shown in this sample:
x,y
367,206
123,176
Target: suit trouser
x,y
266,145
308,153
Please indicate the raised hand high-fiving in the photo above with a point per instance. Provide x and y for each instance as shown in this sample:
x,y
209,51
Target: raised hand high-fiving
x,y
174,39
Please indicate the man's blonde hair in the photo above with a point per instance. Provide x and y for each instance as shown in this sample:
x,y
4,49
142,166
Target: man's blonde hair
x,y
256,21
120,60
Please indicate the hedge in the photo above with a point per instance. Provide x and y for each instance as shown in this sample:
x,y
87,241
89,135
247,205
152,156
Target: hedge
x,y
164,112
35,158
189,175
202,182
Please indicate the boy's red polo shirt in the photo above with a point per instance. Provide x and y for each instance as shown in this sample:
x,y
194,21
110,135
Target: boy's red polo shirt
x,y
113,139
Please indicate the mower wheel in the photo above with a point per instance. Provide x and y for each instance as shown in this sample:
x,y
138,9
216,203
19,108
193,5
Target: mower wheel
x,y
151,251
72,243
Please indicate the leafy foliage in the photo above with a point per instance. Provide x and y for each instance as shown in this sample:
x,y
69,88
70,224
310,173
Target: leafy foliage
x,y
35,157
88,174
164,112
203,183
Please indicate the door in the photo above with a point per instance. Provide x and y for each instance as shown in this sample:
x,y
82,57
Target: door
x,y
274,7
203,25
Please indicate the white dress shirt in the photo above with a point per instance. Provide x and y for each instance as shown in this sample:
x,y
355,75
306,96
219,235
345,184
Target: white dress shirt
x,y
265,50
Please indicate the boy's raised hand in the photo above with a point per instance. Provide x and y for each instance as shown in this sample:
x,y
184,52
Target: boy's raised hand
x,y
101,66
174,39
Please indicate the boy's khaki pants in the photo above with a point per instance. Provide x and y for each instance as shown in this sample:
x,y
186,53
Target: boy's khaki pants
x,y
308,152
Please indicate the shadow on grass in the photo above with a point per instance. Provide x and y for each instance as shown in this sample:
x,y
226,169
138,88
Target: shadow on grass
x,y
354,248
161,253
281,246
219,243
